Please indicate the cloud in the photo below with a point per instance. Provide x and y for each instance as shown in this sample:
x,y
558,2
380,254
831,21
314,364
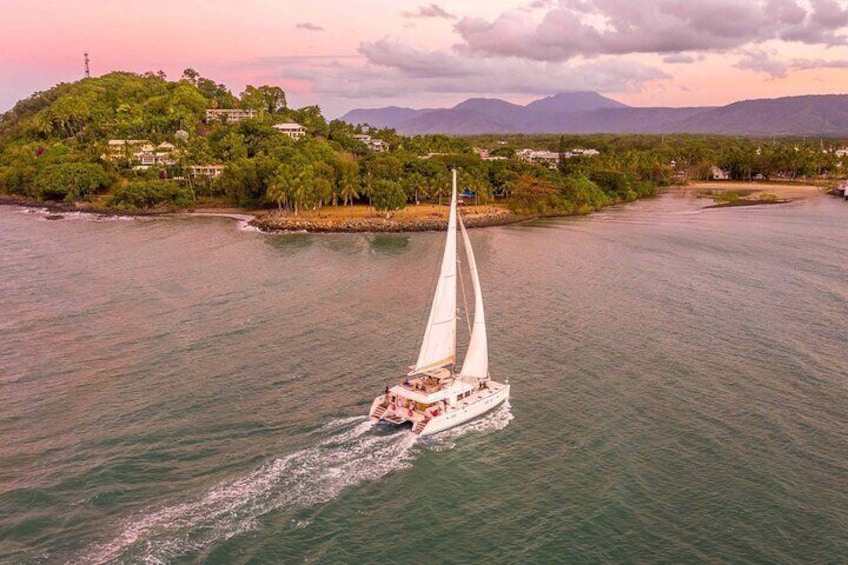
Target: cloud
x,y
678,58
271,63
390,70
393,68
430,11
540,4
309,26
821,25
808,64
591,28
413,62
759,60
828,13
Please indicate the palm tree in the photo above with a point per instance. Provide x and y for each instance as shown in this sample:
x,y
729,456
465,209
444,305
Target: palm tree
x,y
277,193
349,186
348,179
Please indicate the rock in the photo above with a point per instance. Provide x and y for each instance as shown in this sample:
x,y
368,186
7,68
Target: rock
x,y
275,222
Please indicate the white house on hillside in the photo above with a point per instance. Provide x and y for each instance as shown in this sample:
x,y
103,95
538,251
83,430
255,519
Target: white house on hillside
x,y
373,144
211,171
291,129
228,115
123,148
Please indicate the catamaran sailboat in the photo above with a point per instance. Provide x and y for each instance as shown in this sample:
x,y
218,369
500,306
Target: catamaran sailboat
x,y
434,396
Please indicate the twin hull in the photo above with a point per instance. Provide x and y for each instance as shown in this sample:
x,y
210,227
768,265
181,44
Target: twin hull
x,y
480,402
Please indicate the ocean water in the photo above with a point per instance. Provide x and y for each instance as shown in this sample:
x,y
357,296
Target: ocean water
x,y
185,391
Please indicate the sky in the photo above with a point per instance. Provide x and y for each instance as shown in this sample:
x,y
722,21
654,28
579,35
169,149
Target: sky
x,y
351,54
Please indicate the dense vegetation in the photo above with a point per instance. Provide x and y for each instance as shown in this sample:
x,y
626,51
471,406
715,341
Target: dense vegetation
x,y
54,147
691,157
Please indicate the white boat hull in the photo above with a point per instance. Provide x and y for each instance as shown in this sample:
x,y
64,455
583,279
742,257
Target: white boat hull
x,y
424,423
466,411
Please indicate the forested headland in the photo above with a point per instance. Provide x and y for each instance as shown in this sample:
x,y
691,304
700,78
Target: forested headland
x,y
140,143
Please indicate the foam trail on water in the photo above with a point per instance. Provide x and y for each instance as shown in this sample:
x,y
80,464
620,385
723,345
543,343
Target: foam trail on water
x,y
300,480
334,425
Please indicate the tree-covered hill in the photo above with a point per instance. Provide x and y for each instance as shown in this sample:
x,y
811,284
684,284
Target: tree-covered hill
x,y
140,142
61,143
127,141
120,105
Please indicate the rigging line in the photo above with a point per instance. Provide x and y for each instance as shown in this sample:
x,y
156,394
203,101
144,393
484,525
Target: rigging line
x,y
462,286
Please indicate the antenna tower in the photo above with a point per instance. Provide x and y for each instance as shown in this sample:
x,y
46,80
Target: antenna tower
x,y
87,74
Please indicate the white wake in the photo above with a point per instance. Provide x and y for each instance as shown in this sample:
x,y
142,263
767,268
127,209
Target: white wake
x,y
493,421
305,478
349,456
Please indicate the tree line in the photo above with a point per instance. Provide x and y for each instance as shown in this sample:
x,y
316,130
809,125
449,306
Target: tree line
x,y
52,147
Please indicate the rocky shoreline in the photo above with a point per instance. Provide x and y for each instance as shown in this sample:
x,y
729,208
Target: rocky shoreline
x,y
58,208
277,223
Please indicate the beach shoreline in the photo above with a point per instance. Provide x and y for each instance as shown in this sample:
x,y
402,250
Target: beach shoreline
x,y
416,218
752,191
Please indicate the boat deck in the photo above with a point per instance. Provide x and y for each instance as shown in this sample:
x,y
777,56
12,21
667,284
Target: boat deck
x,y
422,384
392,413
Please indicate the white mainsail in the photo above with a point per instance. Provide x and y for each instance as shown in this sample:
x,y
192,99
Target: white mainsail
x,y
476,362
439,346
433,397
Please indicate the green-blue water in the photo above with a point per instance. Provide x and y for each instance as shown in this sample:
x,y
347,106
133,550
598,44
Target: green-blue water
x,y
182,391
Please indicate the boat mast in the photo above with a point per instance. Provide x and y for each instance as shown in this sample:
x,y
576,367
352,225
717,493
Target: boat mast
x,y
438,348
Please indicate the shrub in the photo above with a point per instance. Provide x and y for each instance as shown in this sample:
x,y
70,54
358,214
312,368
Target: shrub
x,y
583,194
18,180
534,196
388,196
70,181
727,196
152,195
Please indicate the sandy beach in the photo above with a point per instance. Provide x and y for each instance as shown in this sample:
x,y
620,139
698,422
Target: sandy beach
x,y
755,191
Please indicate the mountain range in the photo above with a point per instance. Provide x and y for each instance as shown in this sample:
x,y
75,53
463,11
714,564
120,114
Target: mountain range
x,y
590,112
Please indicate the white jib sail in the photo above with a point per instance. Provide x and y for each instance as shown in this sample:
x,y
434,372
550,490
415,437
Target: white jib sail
x,y
439,346
476,362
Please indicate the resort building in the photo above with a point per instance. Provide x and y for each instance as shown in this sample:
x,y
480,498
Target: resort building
x,y
126,148
146,159
550,158
140,152
577,152
210,171
547,158
373,144
291,129
486,156
228,116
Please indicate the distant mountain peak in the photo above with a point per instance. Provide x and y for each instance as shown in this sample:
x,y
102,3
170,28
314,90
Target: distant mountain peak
x,y
574,101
